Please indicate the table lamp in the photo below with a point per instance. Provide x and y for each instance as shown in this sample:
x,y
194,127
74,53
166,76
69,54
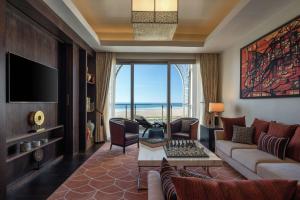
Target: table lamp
x,y
216,109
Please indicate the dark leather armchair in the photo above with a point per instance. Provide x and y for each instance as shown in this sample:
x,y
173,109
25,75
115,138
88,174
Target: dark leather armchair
x,y
184,128
123,132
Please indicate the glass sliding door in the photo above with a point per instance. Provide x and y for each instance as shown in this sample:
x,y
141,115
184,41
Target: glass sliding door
x,y
158,92
150,91
180,91
123,91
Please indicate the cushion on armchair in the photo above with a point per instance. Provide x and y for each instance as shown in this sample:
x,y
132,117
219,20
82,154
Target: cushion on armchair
x,y
195,189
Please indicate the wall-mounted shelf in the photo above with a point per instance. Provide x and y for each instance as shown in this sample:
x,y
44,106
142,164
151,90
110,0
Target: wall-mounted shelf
x,y
14,152
29,135
18,155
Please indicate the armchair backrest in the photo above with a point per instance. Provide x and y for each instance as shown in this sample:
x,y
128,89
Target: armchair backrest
x,y
117,130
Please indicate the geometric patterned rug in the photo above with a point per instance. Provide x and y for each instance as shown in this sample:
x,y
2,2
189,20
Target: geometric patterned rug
x,y
111,175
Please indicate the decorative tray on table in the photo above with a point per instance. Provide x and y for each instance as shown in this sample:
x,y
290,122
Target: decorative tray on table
x,y
184,148
153,142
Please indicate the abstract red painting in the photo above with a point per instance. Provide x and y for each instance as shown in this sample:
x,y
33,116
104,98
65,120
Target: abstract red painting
x,y
270,66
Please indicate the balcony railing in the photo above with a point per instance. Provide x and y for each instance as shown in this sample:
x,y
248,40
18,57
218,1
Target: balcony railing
x,y
153,111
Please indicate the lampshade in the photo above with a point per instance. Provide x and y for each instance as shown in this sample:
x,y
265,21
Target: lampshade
x,y
216,107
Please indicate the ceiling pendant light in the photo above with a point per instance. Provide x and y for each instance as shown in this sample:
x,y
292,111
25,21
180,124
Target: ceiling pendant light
x,y
154,19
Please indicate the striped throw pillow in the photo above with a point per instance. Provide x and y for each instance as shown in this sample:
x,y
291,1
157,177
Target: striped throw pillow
x,y
274,145
166,174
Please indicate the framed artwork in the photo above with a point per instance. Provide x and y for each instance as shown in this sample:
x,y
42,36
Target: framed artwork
x,y
270,66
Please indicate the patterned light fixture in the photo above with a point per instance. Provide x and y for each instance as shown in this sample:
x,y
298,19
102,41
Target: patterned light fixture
x,y
154,19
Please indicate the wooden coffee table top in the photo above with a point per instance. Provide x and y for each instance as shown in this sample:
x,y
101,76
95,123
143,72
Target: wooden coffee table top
x,y
152,157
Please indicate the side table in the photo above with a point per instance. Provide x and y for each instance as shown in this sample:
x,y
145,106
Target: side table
x,y
207,136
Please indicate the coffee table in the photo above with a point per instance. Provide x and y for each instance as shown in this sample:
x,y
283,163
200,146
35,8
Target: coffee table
x,y
152,157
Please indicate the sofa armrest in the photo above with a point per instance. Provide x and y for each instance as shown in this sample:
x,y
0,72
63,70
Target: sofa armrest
x,y
154,186
219,134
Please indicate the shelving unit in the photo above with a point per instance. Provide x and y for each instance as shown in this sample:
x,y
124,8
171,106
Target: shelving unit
x,y
18,155
87,65
53,134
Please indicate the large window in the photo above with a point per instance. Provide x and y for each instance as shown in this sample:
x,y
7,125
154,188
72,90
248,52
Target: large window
x,y
152,91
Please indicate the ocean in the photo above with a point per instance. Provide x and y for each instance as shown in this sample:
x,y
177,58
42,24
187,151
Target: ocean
x,y
146,106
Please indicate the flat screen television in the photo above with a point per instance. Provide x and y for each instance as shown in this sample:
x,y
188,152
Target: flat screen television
x,y
29,81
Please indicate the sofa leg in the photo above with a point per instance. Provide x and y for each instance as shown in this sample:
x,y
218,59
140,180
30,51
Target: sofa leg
x,y
110,146
138,144
123,150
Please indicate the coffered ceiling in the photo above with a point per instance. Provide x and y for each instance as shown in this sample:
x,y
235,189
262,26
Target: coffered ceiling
x,y
110,19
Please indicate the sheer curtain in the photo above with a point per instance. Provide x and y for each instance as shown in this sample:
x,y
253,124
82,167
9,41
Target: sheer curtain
x,y
197,93
104,62
109,108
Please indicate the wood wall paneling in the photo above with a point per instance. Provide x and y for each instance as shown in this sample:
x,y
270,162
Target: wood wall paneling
x,y
2,101
24,39
75,98
47,18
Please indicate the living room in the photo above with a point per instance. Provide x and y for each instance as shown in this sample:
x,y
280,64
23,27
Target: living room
x,y
149,99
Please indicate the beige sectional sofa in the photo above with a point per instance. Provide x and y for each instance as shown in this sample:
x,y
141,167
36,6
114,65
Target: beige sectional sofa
x,y
253,163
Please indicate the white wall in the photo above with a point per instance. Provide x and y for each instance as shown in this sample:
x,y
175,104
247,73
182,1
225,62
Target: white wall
x,y
286,110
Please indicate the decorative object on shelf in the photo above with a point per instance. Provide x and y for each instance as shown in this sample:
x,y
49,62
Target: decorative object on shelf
x,y
88,134
270,65
91,126
36,119
38,156
153,142
88,77
35,144
154,19
184,148
88,103
44,141
216,109
25,146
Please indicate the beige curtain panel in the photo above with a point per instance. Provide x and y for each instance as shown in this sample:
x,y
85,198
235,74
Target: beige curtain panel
x,y
209,68
103,69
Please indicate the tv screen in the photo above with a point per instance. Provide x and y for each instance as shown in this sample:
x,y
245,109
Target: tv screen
x,y
29,81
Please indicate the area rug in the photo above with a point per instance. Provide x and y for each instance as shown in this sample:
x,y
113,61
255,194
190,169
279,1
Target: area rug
x,y
111,175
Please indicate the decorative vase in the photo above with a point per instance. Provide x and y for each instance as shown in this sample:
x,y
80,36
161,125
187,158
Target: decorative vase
x,y
91,127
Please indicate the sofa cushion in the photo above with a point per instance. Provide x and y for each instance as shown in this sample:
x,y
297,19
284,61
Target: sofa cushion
x,y
274,145
228,125
166,172
197,189
259,127
279,171
293,150
251,157
281,130
242,135
131,136
154,186
227,146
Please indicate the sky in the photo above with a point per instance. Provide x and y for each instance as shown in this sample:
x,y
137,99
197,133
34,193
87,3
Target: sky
x,y
150,84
